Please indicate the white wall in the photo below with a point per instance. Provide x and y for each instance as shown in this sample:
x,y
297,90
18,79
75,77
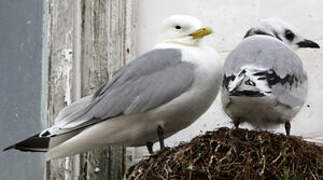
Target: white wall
x,y
230,19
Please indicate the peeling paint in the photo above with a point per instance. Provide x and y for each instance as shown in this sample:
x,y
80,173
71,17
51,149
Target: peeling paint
x,y
64,68
92,66
97,170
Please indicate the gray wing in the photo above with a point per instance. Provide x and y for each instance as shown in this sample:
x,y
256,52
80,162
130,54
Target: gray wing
x,y
146,83
289,80
74,107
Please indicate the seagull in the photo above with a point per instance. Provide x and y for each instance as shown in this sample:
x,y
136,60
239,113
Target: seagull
x,y
151,98
264,81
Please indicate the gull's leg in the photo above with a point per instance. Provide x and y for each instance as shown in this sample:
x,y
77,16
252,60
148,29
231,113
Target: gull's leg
x,y
236,123
287,127
160,132
149,146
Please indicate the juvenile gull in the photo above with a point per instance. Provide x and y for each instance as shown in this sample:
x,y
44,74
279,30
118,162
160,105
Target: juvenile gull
x,y
153,97
264,81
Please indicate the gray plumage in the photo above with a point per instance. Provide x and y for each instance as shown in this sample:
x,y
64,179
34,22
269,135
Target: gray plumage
x,y
146,83
263,51
262,68
147,100
150,81
264,80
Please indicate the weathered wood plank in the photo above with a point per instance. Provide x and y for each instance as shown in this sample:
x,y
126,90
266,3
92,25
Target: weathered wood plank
x,y
105,41
88,41
95,72
60,37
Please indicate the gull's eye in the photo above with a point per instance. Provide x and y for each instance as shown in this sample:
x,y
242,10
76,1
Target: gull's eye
x,y
178,27
289,35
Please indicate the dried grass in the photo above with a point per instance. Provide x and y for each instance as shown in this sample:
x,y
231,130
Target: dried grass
x,y
234,154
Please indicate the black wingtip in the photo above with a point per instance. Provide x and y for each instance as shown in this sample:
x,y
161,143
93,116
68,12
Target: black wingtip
x,y
32,144
8,148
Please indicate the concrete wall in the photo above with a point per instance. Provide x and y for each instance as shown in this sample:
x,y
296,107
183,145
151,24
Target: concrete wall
x,y
230,20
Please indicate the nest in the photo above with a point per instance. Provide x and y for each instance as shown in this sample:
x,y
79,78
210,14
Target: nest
x,y
234,154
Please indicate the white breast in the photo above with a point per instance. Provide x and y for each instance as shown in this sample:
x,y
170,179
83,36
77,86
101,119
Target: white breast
x,y
185,109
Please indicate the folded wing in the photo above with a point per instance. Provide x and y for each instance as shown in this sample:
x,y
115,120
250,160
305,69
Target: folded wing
x,y
146,83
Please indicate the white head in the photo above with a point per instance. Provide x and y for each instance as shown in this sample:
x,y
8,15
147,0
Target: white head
x,y
182,29
284,32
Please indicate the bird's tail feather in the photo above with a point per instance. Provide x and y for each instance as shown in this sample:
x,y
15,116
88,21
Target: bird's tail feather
x,y
248,83
32,144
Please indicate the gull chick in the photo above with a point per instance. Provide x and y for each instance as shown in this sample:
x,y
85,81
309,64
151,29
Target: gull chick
x,y
151,98
264,81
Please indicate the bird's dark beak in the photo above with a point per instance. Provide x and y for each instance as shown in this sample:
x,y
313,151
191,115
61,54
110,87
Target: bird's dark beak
x,y
307,44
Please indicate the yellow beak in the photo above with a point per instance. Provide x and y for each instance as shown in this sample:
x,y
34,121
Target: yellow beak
x,y
201,32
